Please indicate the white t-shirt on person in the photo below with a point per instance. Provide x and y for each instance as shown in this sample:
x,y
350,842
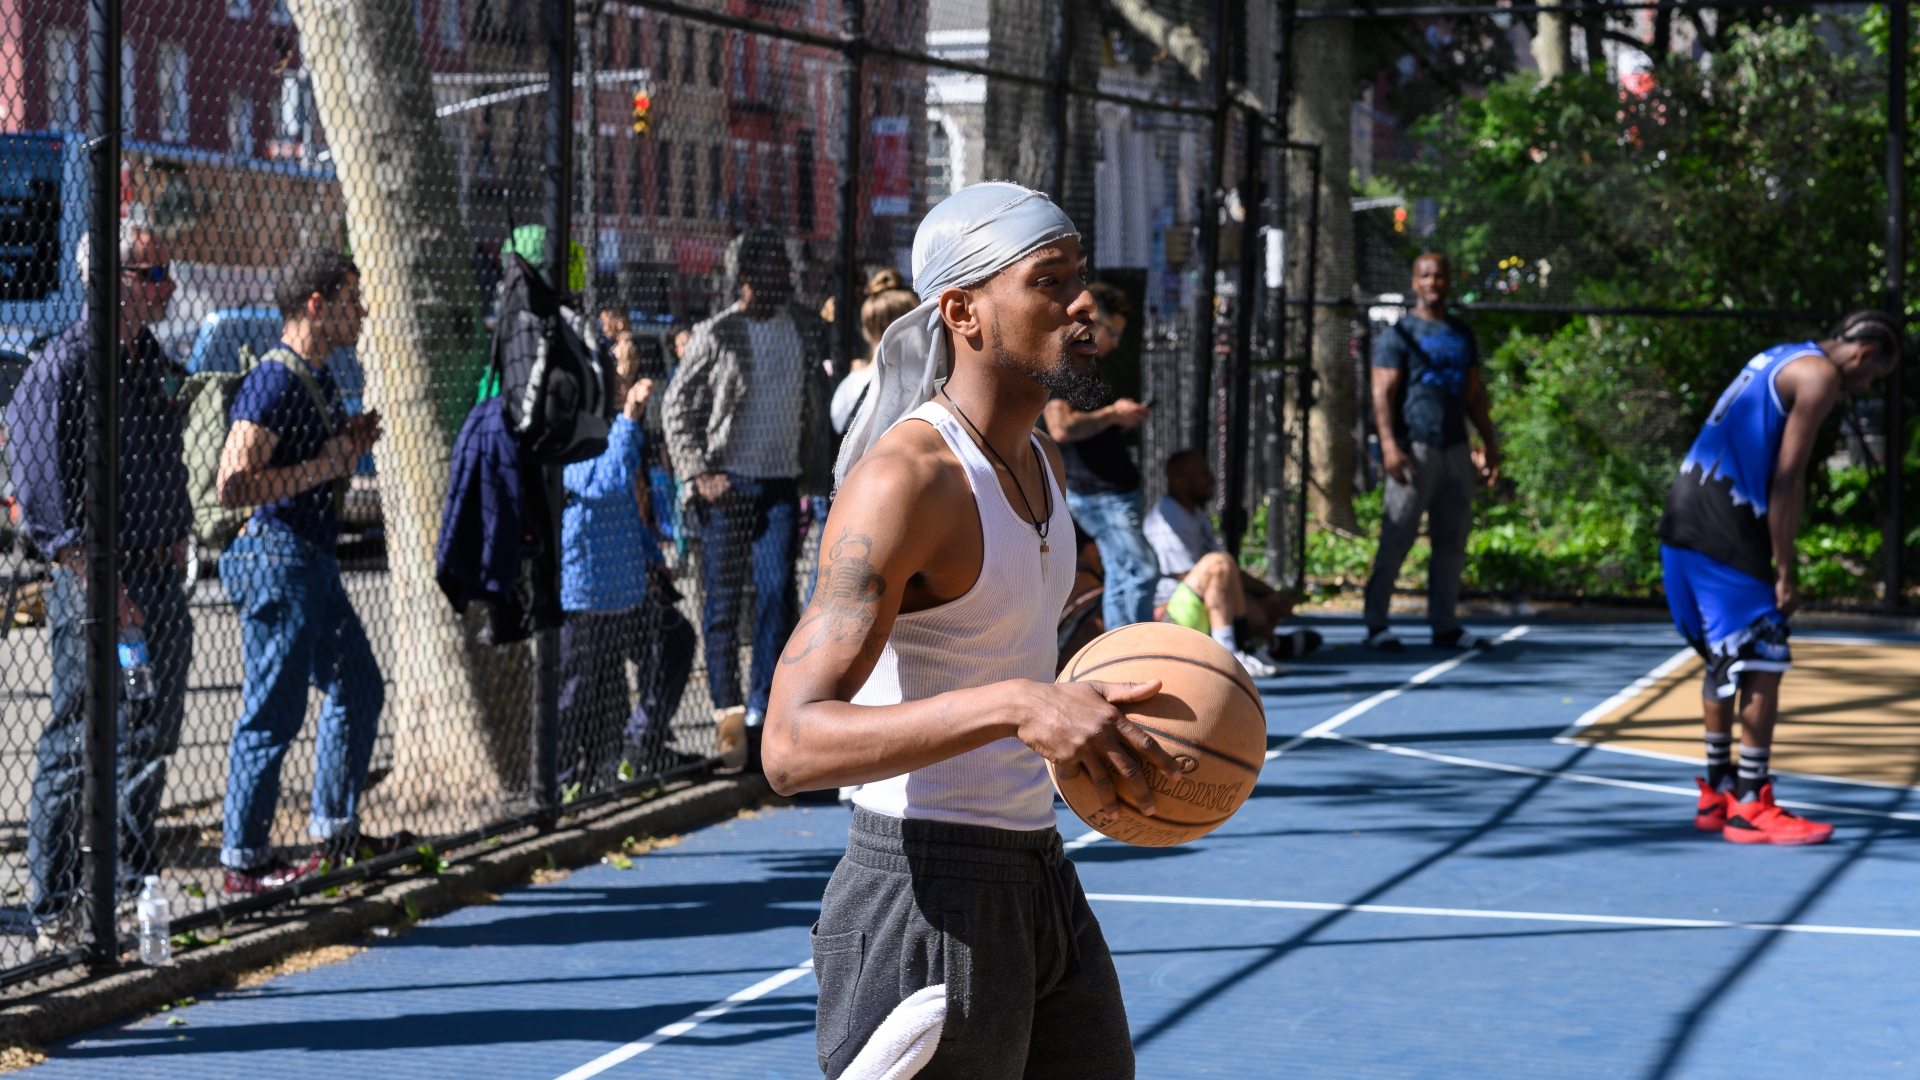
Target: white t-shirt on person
x,y
1180,537
765,444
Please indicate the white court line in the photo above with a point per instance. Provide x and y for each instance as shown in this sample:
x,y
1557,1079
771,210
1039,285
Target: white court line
x,y
675,1030
1525,916
1632,690
1326,727
1091,836
1608,781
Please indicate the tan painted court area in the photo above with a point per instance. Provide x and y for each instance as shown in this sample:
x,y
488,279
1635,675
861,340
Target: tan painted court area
x,y
1848,710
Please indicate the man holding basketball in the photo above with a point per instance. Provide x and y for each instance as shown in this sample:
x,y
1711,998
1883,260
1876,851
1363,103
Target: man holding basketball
x,y
923,670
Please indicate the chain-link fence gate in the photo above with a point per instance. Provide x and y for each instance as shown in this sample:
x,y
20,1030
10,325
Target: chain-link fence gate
x,y
262,276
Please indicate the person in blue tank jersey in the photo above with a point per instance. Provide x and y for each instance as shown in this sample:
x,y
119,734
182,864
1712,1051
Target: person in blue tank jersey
x,y
1727,550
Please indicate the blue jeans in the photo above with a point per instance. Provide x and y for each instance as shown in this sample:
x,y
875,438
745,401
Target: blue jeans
x,y
149,731
297,627
1132,568
600,717
752,529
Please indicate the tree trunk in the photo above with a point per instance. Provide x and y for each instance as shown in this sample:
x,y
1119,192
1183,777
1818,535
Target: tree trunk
x,y
421,350
1553,45
1323,114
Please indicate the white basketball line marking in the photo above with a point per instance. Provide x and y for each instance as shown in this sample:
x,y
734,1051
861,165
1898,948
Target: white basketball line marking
x,y
1627,693
1608,781
675,1030
1525,916
1326,727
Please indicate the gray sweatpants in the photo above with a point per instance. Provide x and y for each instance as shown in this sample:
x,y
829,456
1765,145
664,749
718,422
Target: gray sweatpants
x,y
1442,488
999,916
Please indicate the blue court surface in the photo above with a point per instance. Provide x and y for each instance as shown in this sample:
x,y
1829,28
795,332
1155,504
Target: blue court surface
x,y
1427,885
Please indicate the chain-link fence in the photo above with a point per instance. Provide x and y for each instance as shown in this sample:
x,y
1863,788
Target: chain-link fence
x,y
341,518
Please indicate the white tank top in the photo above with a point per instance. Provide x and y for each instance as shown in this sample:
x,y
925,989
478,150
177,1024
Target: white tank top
x,y
1005,627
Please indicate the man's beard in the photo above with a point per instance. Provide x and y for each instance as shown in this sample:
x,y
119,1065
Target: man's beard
x,y
1084,390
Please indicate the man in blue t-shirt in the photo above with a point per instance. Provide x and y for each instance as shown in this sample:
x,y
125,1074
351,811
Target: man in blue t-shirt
x,y
1426,386
287,456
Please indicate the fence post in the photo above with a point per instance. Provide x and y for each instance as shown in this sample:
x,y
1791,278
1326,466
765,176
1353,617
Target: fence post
x,y
1203,330
1893,535
1233,514
103,486
1062,88
587,24
1305,395
559,222
846,306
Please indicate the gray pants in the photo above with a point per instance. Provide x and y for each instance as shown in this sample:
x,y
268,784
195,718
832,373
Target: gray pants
x,y
999,916
1442,488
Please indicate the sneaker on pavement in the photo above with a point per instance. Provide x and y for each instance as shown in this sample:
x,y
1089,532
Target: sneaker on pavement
x,y
1762,821
272,876
1256,664
1290,645
1383,641
357,845
1711,814
1462,639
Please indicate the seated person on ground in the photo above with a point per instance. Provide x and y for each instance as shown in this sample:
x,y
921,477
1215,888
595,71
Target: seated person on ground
x,y
1200,585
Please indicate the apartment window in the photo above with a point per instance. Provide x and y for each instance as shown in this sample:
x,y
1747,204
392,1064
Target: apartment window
x,y
689,179
663,179
803,210
290,118
65,97
663,54
713,58
176,101
450,25
129,101
688,55
240,125
716,175
636,178
603,164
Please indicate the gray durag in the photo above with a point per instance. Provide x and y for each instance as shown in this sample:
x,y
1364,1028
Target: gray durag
x,y
970,236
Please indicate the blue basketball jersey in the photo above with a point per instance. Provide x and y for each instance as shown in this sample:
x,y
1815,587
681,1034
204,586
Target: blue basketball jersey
x,y
1718,504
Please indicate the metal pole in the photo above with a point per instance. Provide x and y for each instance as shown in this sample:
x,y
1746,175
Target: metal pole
x,y
587,23
1199,419
1305,395
846,305
1233,513
559,221
1893,535
101,621
1062,66
1277,530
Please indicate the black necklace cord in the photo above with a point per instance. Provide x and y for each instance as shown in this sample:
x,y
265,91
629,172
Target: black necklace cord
x,y
1046,489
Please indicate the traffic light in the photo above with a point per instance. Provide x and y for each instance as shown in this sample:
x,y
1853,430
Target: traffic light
x,y
642,114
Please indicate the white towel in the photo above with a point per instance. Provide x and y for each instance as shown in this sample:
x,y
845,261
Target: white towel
x,y
905,1040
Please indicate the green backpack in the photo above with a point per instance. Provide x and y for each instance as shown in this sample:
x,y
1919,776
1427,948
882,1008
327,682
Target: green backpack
x,y
206,400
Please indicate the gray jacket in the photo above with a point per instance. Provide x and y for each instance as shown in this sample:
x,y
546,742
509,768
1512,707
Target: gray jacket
x,y
703,402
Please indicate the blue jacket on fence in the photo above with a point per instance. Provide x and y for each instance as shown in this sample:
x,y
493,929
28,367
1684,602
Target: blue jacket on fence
x,y
605,546
480,529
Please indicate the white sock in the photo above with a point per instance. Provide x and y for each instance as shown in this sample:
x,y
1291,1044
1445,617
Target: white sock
x,y
1224,635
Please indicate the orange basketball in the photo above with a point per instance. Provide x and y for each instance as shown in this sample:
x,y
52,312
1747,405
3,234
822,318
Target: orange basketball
x,y
1207,715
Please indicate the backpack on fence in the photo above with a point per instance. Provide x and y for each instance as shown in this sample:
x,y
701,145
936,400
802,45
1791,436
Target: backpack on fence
x,y
206,401
557,391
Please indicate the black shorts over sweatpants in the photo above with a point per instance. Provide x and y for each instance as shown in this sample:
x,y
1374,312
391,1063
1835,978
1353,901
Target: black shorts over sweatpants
x,y
996,915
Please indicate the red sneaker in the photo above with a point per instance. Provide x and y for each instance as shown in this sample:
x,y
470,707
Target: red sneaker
x,y
1763,822
1711,814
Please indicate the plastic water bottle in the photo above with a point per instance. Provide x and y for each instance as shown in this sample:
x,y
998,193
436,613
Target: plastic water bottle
x,y
136,668
156,923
